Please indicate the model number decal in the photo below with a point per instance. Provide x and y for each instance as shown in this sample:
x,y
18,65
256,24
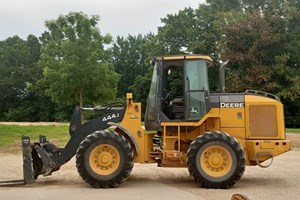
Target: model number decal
x,y
110,117
232,105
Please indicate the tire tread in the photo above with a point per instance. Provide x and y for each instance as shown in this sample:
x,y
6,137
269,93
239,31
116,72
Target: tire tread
x,y
209,137
126,150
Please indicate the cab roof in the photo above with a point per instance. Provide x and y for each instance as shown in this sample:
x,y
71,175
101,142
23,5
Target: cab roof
x,y
186,57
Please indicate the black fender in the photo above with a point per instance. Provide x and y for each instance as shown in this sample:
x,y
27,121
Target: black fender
x,y
84,130
127,133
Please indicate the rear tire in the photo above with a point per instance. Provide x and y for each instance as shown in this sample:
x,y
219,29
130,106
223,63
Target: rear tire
x,y
104,159
216,160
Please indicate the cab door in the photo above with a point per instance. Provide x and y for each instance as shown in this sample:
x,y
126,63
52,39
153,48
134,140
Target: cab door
x,y
197,101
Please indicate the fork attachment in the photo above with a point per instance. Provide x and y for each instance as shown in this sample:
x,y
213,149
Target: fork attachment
x,y
28,177
27,161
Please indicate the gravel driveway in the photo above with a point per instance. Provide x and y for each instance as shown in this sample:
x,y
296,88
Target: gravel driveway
x,y
280,181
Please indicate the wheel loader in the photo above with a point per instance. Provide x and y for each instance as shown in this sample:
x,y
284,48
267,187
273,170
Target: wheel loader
x,y
213,135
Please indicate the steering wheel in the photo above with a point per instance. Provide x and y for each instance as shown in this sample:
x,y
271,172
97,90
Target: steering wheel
x,y
167,95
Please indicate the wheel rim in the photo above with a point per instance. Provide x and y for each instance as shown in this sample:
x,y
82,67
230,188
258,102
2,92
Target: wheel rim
x,y
216,161
104,159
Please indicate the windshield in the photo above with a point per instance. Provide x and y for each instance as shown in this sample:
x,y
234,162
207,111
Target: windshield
x,y
151,100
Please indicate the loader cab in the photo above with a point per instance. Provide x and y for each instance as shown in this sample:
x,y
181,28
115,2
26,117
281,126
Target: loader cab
x,y
179,90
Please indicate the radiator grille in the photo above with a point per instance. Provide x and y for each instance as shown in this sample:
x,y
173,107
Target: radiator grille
x,y
263,121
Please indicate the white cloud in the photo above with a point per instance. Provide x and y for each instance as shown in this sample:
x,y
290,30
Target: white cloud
x,y
118,17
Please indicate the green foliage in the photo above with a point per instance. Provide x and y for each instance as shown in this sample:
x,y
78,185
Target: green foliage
x,y
76,65
13,67
129,58
249,42
32,109
178,31
260,38
141,89
261,44
19,70
192,31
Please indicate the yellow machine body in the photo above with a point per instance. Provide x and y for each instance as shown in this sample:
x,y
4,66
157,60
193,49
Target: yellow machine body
x,y
258,127
214,135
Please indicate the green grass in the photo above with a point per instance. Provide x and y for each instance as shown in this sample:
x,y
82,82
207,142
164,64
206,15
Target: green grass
x,y
10,135
292,130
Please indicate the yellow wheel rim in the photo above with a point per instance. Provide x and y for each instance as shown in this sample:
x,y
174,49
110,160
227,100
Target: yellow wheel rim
x,y
104,159
216,161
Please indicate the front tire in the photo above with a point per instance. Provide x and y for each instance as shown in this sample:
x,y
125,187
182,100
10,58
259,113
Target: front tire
x,y
104,159
216,160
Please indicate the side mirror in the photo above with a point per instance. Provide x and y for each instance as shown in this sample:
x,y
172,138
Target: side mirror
x,y
152,61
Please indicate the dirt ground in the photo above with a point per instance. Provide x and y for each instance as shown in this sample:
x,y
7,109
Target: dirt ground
x,y
280,181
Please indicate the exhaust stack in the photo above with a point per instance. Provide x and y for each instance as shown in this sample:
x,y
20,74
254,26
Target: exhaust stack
x,y
222,76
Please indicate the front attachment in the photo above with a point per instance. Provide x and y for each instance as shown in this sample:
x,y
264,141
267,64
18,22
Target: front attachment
x,y
27,161
28,176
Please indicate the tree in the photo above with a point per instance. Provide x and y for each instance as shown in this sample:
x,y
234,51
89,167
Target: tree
x,y
260,38
196,31
75,62
13,64
141,87
178,32
18,70
262,41
248,44
131,57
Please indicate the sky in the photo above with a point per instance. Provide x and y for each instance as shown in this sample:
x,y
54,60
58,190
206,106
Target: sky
x,y
117,17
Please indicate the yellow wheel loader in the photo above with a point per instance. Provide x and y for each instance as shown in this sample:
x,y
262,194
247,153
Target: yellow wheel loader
x,y
213,135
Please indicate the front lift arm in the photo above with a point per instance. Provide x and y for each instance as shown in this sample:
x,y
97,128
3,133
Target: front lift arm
x,y
44,158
